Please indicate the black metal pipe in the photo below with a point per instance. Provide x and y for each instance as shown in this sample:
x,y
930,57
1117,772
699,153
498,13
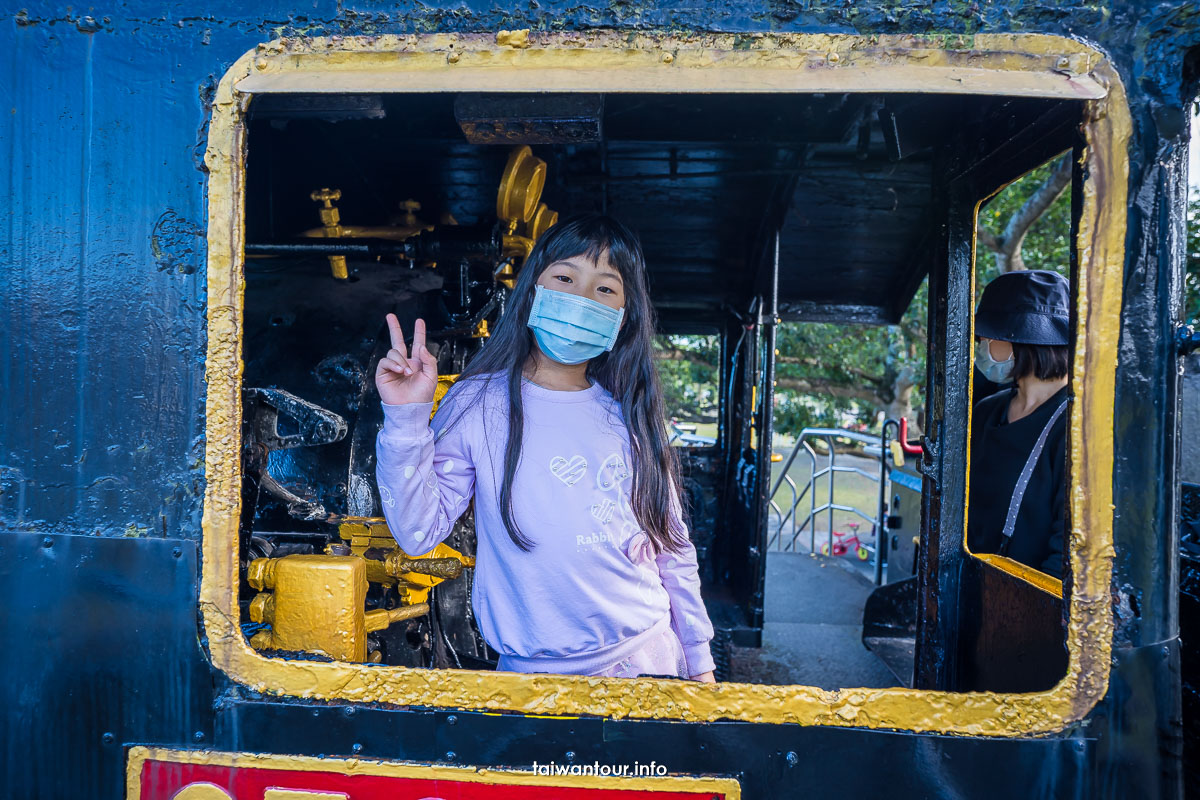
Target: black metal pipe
x,y
765,432
881,534
446,243
944,463
332,247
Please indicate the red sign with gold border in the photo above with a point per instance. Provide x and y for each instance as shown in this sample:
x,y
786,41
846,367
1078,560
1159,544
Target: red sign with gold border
x,y
161,774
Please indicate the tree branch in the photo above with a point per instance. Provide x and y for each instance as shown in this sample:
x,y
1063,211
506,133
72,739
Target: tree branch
x,y
819,386
675,354
914,331
986,238
858,372
1034,207
1006,247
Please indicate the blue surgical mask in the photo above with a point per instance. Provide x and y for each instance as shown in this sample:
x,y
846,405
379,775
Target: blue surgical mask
x,y
571,329
995,371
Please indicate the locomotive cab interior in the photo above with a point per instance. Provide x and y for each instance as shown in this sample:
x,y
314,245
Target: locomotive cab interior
x,y
753,210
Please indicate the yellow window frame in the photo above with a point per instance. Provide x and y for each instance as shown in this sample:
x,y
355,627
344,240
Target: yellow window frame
x,y
1022,572
1027,65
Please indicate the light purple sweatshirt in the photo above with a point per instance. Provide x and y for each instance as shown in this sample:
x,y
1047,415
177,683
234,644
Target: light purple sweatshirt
x,y
591,591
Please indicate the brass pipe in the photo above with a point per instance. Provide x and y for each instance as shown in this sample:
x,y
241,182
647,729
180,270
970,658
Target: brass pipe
x,y
381,618
397,563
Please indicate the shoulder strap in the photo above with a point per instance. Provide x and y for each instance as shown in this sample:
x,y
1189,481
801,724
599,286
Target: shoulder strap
x,y
1010,523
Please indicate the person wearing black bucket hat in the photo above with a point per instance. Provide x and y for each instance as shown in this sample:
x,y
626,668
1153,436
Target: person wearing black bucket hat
x,y
1018,435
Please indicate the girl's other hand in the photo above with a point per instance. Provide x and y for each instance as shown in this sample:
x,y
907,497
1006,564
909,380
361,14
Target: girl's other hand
x,y
404,377
705,677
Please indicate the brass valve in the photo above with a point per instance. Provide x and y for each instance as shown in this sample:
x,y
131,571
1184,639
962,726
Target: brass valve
x,y
409,209
401,227
519,206
329,214
505,273
331,219
520,186
543,219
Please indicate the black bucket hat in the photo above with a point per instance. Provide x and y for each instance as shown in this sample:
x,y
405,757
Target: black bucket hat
x,y
1026,307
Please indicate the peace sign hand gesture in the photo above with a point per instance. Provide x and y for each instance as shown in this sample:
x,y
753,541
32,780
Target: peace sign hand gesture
x,y
402,377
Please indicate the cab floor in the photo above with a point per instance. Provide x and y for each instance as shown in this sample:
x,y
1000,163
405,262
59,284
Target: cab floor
x,y
812,634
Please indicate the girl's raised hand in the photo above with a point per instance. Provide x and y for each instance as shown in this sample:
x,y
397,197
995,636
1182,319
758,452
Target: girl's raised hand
x,y
404,377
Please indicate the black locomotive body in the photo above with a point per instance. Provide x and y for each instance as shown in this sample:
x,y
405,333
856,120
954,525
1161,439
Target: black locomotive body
x,y
211,210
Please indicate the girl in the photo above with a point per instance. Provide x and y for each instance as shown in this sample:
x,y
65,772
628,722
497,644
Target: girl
x,y
556,429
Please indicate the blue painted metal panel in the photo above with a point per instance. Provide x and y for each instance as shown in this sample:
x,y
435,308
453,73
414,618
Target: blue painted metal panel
x,y
103,314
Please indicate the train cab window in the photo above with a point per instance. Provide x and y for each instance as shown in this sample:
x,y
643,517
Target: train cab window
x,y
689,368
1012,634
341,195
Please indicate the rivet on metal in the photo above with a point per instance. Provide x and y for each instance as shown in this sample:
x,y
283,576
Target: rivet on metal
x,y
451,720
451,755
668,58
357,748
108,738
792,758
198,736
177,552
834,58
47,541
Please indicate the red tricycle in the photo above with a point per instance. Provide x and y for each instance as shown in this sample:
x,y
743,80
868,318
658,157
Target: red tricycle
x,y
845,542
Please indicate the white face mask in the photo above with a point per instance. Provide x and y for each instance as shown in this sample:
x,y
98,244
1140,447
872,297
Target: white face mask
x,y
995,371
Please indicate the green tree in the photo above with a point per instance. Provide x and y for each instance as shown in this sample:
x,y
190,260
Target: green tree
x,y
871,370
1026,225
688,369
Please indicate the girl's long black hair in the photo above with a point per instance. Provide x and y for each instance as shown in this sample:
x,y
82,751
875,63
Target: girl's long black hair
x,y
627,372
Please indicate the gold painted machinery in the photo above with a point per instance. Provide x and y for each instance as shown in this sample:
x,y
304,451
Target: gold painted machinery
x,y
317,603
521,215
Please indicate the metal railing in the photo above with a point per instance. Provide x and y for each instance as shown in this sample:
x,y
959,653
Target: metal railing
x,y
877,520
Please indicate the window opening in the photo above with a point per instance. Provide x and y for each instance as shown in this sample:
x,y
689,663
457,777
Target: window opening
x,y
736,289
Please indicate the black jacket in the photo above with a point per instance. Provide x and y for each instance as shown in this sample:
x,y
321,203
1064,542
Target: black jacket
x,y
999,449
